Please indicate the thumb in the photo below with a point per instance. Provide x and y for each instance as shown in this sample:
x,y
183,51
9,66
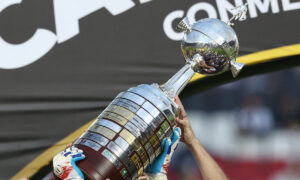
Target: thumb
x,y
166,145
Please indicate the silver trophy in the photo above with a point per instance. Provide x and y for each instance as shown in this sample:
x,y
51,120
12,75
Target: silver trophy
x,y
127,135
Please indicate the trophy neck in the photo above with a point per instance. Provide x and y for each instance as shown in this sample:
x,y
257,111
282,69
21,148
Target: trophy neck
x,y
175,85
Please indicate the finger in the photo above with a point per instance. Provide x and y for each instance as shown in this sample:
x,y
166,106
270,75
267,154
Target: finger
x,y
180,121
178,130
76,168
182,110
143,177
165,145
178,101
78,157
175,137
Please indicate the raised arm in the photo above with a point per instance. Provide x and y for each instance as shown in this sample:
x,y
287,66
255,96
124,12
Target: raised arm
x,y
209,169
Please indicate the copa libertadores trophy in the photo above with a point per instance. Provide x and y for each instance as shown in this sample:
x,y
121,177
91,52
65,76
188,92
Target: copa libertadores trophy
x,y
127,135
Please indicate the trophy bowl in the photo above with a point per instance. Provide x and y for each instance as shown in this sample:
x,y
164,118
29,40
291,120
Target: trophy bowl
x,y
212,44
214,41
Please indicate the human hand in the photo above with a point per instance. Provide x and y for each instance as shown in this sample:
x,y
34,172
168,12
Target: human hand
x,y
188,136
162,162
143,177
64,165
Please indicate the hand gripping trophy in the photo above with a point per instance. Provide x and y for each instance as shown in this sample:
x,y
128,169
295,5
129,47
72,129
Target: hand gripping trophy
x,y
127,135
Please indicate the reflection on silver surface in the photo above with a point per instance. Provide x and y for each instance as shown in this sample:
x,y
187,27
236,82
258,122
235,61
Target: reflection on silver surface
x,y
160,102
124,145
121,111
150,152
151,109
113,116
124,158
96,138
133,97
131,168
214,41
109,124
133,107
142,125
147,118
136,132
155,113
143,155
110,134
153,95
159,94
141,91
91,144
160,134
115,149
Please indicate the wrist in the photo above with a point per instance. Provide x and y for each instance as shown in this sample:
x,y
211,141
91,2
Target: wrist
x,y
192,142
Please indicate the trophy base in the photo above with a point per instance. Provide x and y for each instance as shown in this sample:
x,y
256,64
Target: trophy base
x,y
127,135
96,167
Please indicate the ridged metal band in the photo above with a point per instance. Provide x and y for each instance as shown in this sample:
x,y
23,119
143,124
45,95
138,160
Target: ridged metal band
x,y
89,143
96,138
109,124
117,150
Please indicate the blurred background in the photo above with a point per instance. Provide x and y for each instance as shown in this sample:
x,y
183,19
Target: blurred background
x,y
63,61
251,127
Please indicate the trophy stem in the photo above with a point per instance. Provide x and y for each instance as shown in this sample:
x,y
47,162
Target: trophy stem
x,y
177,82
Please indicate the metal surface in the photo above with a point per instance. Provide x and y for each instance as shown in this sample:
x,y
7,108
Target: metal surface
x,y
134,124
215,43
96,138
102,130
124,145
109,124
113,116
133,107
133,97
136,132
112,158
158,99
89,143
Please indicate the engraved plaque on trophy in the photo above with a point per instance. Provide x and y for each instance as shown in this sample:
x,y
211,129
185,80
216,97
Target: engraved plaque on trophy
x,y
127,135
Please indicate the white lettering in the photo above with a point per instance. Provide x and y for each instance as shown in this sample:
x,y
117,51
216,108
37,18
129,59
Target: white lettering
x,y
167,25
191,14
202,6
263,7
144,1
68,12
288,6
7,3
16,56
20,55
224,6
